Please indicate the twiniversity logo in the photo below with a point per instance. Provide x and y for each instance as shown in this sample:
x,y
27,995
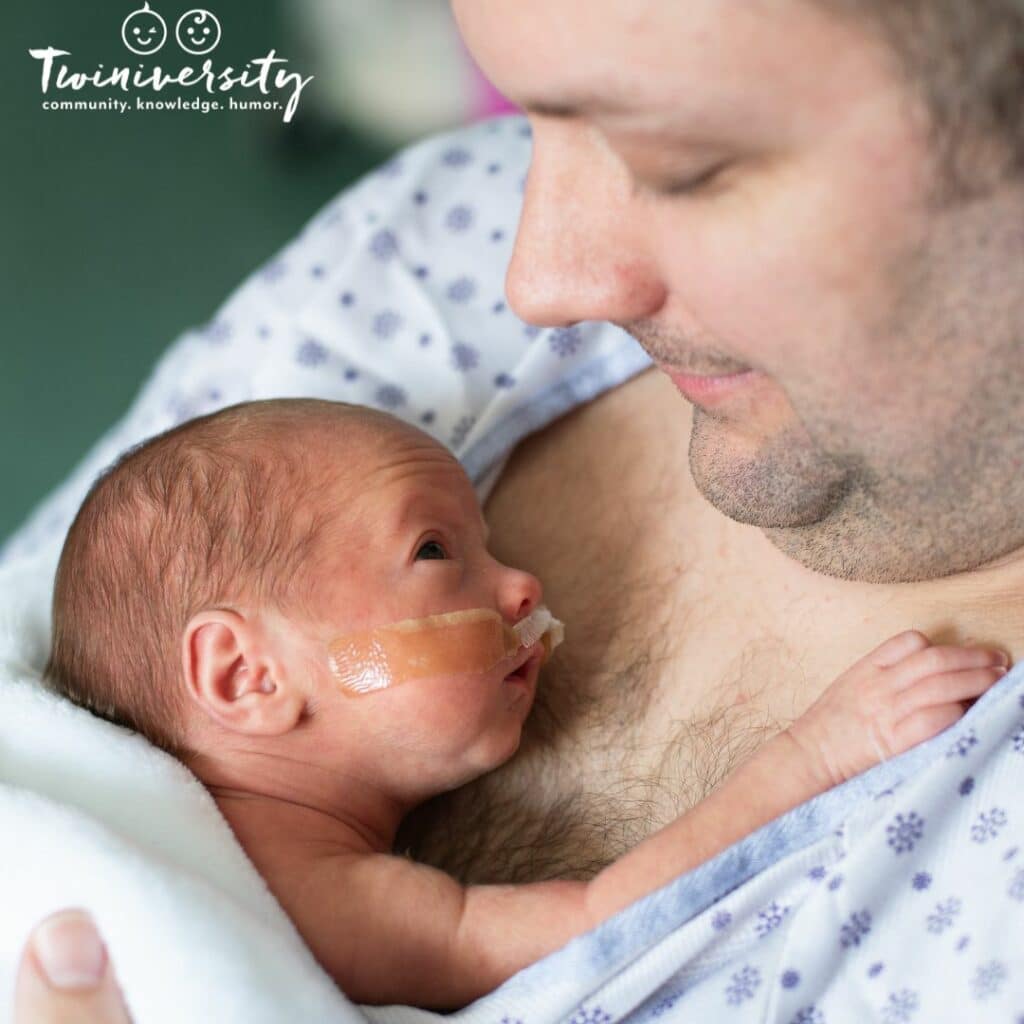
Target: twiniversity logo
x,y
196,33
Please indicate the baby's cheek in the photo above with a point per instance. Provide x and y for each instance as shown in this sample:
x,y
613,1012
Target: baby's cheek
x,y
453,714
448,706
418,650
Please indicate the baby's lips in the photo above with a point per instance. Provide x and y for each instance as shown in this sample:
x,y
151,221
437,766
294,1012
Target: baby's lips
x,y
523,657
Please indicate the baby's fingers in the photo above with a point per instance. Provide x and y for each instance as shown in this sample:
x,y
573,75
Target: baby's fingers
x,y
924,724
896,649
932,704
942,659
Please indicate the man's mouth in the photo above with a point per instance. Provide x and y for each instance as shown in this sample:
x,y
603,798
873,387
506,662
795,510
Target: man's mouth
x,y
709,390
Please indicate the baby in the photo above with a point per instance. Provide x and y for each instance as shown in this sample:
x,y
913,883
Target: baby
x,y
296,598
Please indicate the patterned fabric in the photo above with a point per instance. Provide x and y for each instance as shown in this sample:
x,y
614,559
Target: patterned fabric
x,y
896,897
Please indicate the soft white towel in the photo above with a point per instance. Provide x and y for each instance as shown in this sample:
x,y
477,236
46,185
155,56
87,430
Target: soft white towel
x,y
95,816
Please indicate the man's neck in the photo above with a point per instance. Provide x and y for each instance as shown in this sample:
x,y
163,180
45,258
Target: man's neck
x,y
728,616
827,624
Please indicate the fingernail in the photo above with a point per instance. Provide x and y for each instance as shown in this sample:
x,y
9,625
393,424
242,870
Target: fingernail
x,y
70,951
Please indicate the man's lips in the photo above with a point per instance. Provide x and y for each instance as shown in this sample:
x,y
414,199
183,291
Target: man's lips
x,y
710,390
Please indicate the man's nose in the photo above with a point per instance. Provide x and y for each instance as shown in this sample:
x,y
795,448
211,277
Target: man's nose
x,y
521,592
580,251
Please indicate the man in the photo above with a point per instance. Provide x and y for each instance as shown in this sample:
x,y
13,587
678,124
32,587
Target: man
x,y
821,205
750,186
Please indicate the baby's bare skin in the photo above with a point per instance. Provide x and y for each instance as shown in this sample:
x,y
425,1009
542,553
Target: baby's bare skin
x,y
393,931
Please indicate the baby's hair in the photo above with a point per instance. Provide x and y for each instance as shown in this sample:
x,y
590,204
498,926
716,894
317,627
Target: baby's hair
x,y
223,510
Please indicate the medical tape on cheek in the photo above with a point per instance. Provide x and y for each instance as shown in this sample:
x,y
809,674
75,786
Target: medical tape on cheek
x,y
454,643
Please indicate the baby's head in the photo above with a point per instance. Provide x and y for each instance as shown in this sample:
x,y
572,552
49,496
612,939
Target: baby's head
x,y
213,569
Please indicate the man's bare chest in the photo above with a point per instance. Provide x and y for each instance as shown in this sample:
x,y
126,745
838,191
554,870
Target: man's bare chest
x,y
673,670
599,769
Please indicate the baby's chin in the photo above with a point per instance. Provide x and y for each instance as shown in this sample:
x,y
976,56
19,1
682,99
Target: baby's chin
x,y
489,754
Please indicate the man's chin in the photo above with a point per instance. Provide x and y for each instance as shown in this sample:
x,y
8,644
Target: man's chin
x,y
777,481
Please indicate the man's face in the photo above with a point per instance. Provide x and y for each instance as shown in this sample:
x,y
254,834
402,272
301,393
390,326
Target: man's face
x,y
750,185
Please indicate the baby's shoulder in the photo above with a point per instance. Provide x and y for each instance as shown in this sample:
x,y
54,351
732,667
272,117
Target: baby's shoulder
x,y
307,868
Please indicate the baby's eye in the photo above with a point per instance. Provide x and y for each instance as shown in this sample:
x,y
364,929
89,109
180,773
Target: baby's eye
x,y
431,549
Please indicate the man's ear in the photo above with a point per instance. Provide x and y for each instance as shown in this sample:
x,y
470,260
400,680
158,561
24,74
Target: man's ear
x,y
235,679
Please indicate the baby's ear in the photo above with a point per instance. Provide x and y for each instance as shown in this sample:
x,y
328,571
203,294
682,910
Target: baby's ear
x,y
234,678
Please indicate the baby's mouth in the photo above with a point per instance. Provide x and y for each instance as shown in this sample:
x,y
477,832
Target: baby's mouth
x,y
530,659
537,635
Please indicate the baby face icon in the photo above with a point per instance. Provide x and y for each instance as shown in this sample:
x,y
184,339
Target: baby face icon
x,y
144,31
197,32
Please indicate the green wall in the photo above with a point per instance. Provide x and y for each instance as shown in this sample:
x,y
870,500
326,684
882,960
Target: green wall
x,y
117,232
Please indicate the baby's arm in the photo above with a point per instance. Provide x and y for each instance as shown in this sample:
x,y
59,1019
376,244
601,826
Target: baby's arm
x,y
901,694
392,931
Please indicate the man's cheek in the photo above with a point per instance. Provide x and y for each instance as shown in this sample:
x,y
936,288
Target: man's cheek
x,y
761,266
862,415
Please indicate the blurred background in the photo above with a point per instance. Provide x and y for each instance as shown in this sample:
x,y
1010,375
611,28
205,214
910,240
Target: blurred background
x,y
120,231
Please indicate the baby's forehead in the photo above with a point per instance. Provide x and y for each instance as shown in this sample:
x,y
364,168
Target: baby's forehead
x,y
386,469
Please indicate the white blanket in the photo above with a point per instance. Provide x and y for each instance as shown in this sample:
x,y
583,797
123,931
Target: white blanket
x,y
94,816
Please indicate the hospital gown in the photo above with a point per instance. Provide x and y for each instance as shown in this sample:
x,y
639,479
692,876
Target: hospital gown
x,y
896,897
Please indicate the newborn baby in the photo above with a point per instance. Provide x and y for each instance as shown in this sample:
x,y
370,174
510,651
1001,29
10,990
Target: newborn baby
x,y
296,598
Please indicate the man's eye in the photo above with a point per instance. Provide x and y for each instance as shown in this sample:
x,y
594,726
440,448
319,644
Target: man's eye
x,y
693,183
431,549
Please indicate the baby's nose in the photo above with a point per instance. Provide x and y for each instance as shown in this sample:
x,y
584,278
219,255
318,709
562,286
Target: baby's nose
x,y
521,593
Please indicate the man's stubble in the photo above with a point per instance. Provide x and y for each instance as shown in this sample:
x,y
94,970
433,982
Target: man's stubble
x,y
920,481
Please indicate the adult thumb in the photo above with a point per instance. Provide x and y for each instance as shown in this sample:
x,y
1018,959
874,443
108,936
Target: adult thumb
x,y
65,976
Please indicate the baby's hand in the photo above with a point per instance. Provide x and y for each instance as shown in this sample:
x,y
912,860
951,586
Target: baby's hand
x,y
904,692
